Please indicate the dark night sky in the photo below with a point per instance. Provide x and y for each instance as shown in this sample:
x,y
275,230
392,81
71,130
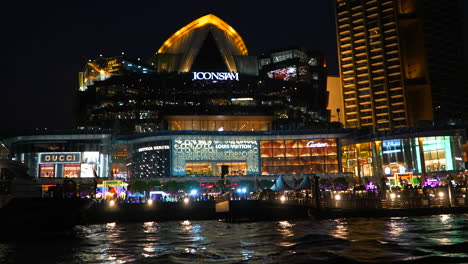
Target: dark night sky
x,y
48,42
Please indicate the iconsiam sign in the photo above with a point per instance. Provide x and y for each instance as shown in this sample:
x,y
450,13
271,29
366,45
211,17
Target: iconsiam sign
x,y
221,76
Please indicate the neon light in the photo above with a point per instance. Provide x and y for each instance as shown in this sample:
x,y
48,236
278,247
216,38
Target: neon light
x,y
370,186
233,146
391,151
312,144
222,76
241,99
153,148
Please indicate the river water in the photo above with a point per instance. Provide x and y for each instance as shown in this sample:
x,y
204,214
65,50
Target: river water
x,y
430,239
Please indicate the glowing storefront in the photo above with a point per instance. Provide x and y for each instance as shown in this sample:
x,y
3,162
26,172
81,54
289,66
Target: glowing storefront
x,y
67,155
299,156
439,152
237,153
167,154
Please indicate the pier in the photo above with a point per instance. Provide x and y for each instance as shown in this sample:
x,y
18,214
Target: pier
x,y
279,205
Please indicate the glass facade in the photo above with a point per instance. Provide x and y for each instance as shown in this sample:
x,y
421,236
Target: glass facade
x,y
404,155
399,156
65,156
214,153
358,159
299,156
150,159
441,153
220,125
204,155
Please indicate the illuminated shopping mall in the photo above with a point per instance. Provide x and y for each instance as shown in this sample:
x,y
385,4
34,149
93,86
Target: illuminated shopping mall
x,y
201,107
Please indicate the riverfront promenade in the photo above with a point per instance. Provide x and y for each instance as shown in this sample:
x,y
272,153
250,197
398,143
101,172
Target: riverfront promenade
x,y
283,205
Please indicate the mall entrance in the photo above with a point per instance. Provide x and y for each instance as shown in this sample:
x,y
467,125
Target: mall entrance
x,y
215,168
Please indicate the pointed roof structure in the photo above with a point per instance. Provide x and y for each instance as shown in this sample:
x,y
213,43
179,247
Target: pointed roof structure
x,y
188,40
305,184
280,185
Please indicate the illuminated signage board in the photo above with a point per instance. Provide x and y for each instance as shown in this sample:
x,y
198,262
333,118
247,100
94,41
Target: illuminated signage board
x,y
233,146
214,149
63,157
312,144
153,148
221,76
391,146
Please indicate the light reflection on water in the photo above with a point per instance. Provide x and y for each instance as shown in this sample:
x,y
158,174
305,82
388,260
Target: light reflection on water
x,y
441,238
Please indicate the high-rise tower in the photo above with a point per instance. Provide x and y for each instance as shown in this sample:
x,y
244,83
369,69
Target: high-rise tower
x,y
401,62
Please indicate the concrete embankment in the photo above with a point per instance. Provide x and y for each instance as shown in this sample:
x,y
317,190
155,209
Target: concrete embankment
x,y
158,211
241,210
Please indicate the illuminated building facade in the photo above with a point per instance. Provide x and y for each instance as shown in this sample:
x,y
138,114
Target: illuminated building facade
x,y
335,99
401,63
201,106
202,78
64,154
84,155
422,152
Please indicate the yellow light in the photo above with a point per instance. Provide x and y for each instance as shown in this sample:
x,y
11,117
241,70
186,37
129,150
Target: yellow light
x,y
203,21
441,194
337,197
150,202
282,198
111,203
392,195
186,200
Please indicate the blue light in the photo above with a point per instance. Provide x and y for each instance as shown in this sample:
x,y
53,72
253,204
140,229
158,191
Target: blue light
x,y
193,192
242,190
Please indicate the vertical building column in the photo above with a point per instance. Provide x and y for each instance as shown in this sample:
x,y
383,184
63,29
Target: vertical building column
x,y
339,156
377,162
421,154
358,161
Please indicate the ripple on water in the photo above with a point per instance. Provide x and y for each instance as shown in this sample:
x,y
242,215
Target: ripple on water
x,y
432,239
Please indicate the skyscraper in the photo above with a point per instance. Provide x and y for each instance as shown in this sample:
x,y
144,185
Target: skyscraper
x,y
401,62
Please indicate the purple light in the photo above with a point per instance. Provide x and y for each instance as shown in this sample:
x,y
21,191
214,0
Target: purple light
x,y
370,186
431,182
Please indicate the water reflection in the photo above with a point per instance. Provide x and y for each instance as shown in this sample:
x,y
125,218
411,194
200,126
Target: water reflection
x,y
151,240
340,230
247,254
395,228
444,218
339,241
110,226
285,228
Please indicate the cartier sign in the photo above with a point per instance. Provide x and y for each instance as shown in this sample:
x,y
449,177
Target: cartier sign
x,y
312,144
221,76
64,157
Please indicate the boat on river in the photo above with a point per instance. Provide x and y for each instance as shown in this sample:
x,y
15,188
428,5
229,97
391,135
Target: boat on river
x,y
24,210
